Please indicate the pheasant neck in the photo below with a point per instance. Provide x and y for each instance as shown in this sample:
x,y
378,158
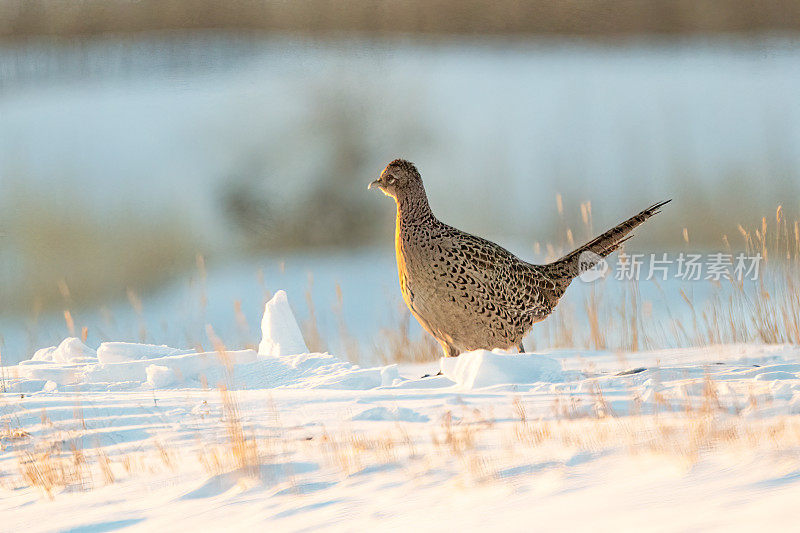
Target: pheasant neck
x,y
413,209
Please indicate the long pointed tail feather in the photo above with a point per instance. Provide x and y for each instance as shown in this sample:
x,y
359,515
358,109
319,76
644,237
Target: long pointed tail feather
x,y
565,269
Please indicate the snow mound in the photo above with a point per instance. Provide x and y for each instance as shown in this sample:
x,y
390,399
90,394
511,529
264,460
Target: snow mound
x,y
159,377
482,368
238,369
71,350
119,352
187,370
282,361
280,334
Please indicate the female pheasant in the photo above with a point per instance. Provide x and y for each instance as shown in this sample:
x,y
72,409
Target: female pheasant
x,y
470,293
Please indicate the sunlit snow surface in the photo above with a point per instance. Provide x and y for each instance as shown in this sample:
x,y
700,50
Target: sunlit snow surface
x,y
668,440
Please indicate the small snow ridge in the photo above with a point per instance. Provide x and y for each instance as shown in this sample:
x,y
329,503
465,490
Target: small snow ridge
x,y
280,334
185,369
482,368
346,376
393,414
120,352
776,375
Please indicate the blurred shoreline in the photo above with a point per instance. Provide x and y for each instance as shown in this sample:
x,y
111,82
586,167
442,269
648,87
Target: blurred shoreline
x,y
22,19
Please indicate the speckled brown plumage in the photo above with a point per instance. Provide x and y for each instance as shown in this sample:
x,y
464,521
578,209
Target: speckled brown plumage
x,y
470,293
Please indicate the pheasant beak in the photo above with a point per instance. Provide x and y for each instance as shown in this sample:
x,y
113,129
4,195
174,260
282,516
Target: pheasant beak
x,y
377,183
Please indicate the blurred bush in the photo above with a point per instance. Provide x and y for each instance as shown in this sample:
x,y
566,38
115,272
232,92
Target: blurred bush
x,y
57,249
308,188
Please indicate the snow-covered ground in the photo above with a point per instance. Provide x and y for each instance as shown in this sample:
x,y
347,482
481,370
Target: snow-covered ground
x,y
162,439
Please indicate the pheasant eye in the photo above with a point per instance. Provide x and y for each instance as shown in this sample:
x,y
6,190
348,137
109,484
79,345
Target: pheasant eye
x,y
390,180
